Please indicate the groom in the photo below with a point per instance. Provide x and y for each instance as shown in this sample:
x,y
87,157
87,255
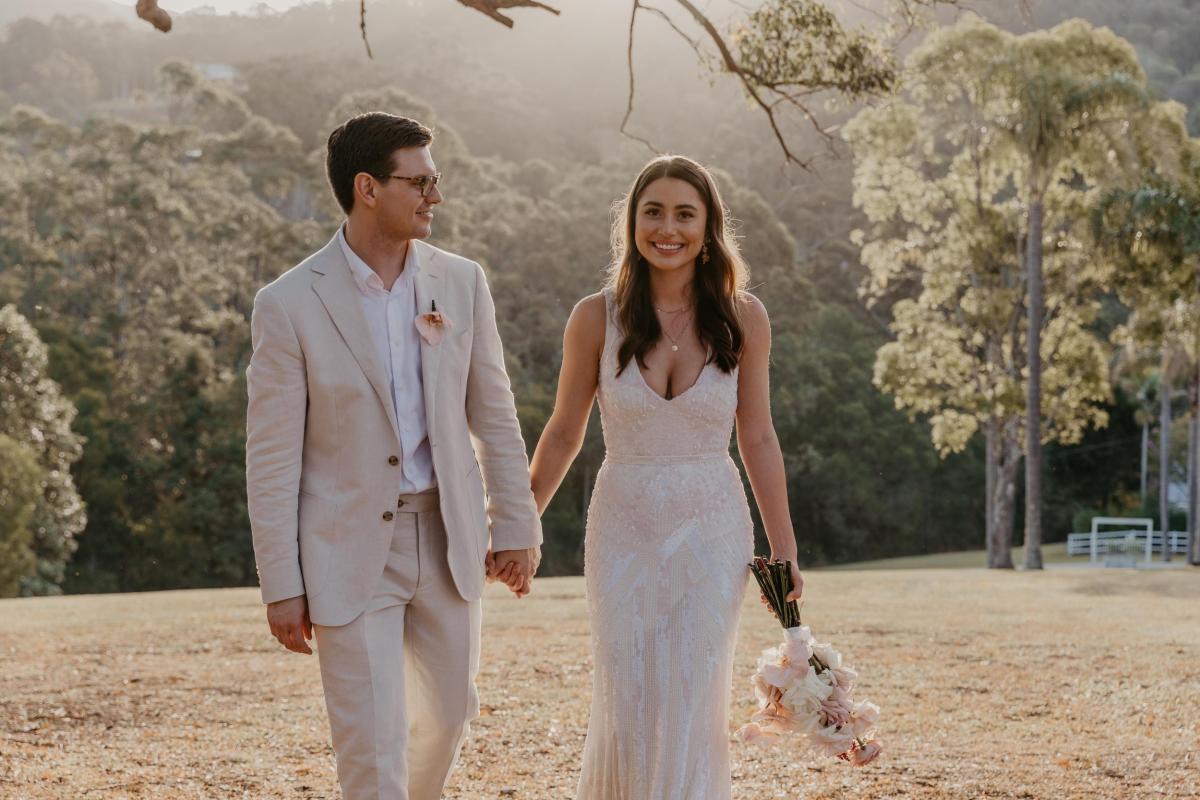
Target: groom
x,y
379,409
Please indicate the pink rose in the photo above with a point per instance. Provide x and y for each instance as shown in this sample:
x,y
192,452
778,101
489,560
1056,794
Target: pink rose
x,y
836,709
863,717
861,756
754,734
797,645
844,677
825,653
833,741
782,676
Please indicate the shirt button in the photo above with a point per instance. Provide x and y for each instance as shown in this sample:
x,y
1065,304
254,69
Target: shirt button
x,y
388,516
393,460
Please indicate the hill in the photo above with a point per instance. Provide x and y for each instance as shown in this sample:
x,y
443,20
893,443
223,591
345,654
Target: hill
x,y
45,10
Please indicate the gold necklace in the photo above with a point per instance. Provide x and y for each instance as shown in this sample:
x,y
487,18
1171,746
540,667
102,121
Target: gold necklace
x,y
674,341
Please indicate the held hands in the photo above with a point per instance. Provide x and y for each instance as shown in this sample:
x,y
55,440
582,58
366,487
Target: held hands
x,y
514,568
290,623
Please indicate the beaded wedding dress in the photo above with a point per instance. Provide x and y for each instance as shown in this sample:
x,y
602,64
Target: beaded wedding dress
x,y
668,540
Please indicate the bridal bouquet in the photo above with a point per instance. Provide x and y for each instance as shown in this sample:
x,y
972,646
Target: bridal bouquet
x,y
802,685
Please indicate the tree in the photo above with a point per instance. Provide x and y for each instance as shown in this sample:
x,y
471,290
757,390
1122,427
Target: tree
x,y
21,479
1155,230
35,428
137,250
1072,87
939,177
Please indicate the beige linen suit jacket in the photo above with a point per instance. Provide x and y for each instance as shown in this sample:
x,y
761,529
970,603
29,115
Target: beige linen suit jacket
x,y
323,447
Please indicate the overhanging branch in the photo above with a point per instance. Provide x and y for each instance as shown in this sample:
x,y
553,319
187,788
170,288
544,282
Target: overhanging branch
x,y
492,8
149,11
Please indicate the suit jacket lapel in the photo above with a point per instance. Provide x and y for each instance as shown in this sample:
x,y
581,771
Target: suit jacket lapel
x,y
430,290
339,294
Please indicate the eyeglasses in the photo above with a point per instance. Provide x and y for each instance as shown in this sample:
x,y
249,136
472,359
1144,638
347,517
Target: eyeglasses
x,y
424,183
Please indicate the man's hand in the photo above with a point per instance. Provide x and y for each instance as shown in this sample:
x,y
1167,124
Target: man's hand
x,y
290,623
514,568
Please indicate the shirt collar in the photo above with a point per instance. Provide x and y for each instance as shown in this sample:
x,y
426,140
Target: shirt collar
x,y
366,278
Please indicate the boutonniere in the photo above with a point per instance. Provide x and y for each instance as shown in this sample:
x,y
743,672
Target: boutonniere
x,y
432,325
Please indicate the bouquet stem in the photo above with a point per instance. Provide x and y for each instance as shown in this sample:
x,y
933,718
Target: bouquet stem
x,y
775,580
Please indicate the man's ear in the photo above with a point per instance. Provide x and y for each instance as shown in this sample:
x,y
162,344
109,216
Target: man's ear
x,y
366,189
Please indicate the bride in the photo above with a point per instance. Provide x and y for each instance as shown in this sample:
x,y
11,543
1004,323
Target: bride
x,y
676,351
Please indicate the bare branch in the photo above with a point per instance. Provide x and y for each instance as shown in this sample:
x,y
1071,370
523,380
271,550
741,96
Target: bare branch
x,y
362,24
492,8
867,9
731,65
149,11
667,18
637,6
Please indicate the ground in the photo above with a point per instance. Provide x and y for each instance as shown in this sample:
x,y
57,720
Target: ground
x,y
1061,684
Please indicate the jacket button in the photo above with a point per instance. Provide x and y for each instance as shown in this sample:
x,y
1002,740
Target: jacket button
x,y
387,516
393,460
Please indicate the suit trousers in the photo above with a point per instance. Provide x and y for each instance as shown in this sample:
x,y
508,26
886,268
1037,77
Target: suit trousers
x,y
400,678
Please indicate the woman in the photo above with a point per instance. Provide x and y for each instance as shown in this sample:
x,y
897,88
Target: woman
x,y
676,351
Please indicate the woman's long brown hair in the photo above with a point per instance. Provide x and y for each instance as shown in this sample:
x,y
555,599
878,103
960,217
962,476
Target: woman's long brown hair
x,y
715,288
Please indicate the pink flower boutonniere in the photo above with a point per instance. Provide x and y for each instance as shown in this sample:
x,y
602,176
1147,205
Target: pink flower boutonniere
x,y
432,325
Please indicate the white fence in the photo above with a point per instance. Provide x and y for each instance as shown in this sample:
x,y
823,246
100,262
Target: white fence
x,y
1136,537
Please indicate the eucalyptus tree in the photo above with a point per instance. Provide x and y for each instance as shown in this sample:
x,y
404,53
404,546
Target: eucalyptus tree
x,y
1155,229
137,250
958,196
1072,90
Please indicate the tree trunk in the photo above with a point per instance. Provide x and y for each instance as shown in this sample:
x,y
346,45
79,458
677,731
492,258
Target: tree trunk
x,y
1164,452
1004,500
990,460
1033,393
1193,443
1193,539
1145,459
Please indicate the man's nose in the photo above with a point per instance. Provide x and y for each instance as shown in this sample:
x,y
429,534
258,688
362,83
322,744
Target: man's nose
x,y
435,196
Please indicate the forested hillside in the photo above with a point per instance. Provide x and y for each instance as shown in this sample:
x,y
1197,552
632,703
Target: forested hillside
x,y
150,184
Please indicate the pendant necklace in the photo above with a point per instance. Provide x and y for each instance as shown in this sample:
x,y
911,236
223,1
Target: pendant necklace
x,y
674,341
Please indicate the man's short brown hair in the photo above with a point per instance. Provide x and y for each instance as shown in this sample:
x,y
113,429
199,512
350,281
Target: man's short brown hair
x,y
365,144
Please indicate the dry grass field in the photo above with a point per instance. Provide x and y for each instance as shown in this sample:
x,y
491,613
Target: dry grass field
x,y
1065,684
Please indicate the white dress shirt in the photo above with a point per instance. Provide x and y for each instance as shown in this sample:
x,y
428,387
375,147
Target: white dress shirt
x,y
391,318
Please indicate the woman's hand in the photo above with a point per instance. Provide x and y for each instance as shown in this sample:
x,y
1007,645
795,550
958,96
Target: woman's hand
x,y
794,594
797,582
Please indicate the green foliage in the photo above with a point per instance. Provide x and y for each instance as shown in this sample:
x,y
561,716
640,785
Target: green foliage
x,y
138,257
801,45
135,241
862,480
945,182
21,480
35,421
1166,34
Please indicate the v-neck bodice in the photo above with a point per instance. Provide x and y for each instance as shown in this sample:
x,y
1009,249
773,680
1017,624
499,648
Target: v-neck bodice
x,y
640,424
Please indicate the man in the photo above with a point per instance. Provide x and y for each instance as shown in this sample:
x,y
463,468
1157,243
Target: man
x,y
379,407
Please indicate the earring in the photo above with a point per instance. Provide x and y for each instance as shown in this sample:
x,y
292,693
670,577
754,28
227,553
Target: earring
x,y
704,253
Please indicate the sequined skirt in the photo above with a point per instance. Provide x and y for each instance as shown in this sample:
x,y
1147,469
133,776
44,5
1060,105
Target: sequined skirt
x,y
667,544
